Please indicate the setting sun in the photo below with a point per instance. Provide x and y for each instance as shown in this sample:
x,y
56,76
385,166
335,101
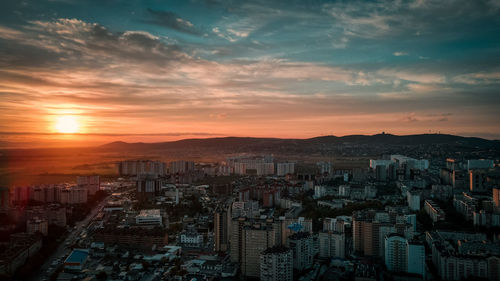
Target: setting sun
x,y
66,124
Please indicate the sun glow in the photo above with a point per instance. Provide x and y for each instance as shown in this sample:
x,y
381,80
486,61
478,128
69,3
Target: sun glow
x,y
67,124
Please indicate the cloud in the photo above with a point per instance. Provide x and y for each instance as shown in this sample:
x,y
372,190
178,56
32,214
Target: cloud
x,y
478,78
171,20
399,54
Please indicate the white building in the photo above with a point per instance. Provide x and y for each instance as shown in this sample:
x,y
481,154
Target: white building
x,y
282,169
396,253
149,218
276,263
191,239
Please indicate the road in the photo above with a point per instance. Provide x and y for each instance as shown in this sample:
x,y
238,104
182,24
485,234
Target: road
x,y
63,250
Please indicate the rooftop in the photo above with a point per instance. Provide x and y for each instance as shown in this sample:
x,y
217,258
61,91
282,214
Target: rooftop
x,y
77,256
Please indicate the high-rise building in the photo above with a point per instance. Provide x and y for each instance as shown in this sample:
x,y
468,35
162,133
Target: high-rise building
x,y
73,195
222,220
276,264
91,183
477,180
282,169
302,246
141,167
181,167
249,238
331,244
396,253
413,198
416,258
148,186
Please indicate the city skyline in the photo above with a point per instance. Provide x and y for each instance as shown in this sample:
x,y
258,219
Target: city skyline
x,y
79,72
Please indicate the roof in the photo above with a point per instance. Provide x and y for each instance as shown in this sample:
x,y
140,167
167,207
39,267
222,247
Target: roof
x,y
77,256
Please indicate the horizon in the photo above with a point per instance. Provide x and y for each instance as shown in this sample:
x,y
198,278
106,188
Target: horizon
x,y
148,71
5,145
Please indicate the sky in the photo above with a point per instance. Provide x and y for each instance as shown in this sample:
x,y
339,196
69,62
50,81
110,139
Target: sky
x,y
165,70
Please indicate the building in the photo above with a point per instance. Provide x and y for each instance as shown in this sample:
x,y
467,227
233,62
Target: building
x,y
76,260
141,167
496,197
249,238
302,246
413,199
55,214
134,238
255,240
434,211
283,169
477,180
73,195
149,218
191,238
396,256
331,244
181,167
325,168
416,258
20,248
264,169
276,263
465,204
91,183
34,225
222,219
480,164
148,187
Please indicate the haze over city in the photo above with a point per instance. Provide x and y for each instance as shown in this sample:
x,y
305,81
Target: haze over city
x,y
155,71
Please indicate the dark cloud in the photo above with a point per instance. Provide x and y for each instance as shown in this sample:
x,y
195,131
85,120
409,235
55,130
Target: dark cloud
x,y
171,20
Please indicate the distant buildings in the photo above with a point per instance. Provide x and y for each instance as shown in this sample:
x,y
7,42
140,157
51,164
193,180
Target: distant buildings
x,y
55,214
258,165
90,183
148,187
276,263
181,167
141,167
283,169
